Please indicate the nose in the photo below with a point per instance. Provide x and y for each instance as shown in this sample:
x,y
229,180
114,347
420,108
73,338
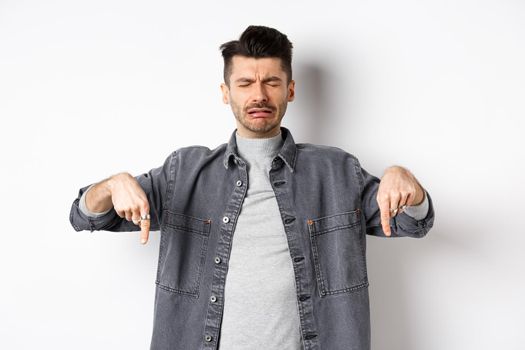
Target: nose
x,y
259,93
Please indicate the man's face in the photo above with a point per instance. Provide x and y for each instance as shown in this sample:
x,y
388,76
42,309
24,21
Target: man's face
x,y
258,94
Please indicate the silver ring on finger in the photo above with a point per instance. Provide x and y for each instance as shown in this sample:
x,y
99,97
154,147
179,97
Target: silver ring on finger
x,y
144,218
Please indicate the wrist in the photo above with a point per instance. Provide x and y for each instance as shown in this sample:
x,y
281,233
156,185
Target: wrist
x,y
109,184
112,182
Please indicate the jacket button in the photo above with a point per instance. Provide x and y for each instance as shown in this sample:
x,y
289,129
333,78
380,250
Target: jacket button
x,y
226,219
304,297
208,338
310,336
217,260
239,183
289,220
299,258
279,183
213,298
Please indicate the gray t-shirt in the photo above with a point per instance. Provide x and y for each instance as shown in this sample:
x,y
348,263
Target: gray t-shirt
x,y
260,301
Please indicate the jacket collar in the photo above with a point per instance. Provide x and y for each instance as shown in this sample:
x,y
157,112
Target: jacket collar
x,y
287,153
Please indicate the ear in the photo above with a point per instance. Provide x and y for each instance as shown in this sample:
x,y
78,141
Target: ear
x,y
225,93
291,91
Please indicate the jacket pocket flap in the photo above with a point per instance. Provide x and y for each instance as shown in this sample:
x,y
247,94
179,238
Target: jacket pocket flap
x,y
186,222
334,222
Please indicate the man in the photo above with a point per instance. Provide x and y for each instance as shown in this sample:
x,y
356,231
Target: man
x,y
262,239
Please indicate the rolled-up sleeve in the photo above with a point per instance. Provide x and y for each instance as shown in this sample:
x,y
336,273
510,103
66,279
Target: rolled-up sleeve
x,y
156,183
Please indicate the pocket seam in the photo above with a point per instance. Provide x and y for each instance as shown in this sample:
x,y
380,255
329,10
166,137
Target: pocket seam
x,y
349,289
338,214
174,290
322,232
187,229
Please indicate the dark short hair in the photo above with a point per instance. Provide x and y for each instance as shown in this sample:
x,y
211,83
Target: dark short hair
x,y
258,42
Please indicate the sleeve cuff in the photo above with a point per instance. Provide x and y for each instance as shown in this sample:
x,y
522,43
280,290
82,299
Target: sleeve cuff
x,y
418,212
83,208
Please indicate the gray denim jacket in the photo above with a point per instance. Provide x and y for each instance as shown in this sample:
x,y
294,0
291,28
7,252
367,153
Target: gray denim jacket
x,y
327,204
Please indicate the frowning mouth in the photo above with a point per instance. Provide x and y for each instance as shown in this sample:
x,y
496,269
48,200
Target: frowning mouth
x,y
260,112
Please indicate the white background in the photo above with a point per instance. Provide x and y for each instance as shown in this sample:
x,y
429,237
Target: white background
x,y
92,88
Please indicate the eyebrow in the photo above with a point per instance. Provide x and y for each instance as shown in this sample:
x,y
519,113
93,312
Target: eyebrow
x,y
265,80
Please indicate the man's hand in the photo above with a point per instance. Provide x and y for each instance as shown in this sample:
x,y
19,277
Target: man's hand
x,y
398,189
130,201
127,197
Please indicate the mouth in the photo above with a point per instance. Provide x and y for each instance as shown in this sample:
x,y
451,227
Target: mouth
x,y
260,112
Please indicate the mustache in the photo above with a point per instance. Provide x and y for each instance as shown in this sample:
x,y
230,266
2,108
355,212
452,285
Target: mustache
x,y
261,105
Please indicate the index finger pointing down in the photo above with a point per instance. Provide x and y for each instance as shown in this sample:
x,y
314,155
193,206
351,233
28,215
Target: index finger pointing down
x,y
145,224
384,210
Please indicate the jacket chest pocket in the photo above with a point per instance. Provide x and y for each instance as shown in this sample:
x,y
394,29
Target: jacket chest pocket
x,y
182,254
338,247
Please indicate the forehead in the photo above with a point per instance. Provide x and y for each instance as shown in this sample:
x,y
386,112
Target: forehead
x,y
265,66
